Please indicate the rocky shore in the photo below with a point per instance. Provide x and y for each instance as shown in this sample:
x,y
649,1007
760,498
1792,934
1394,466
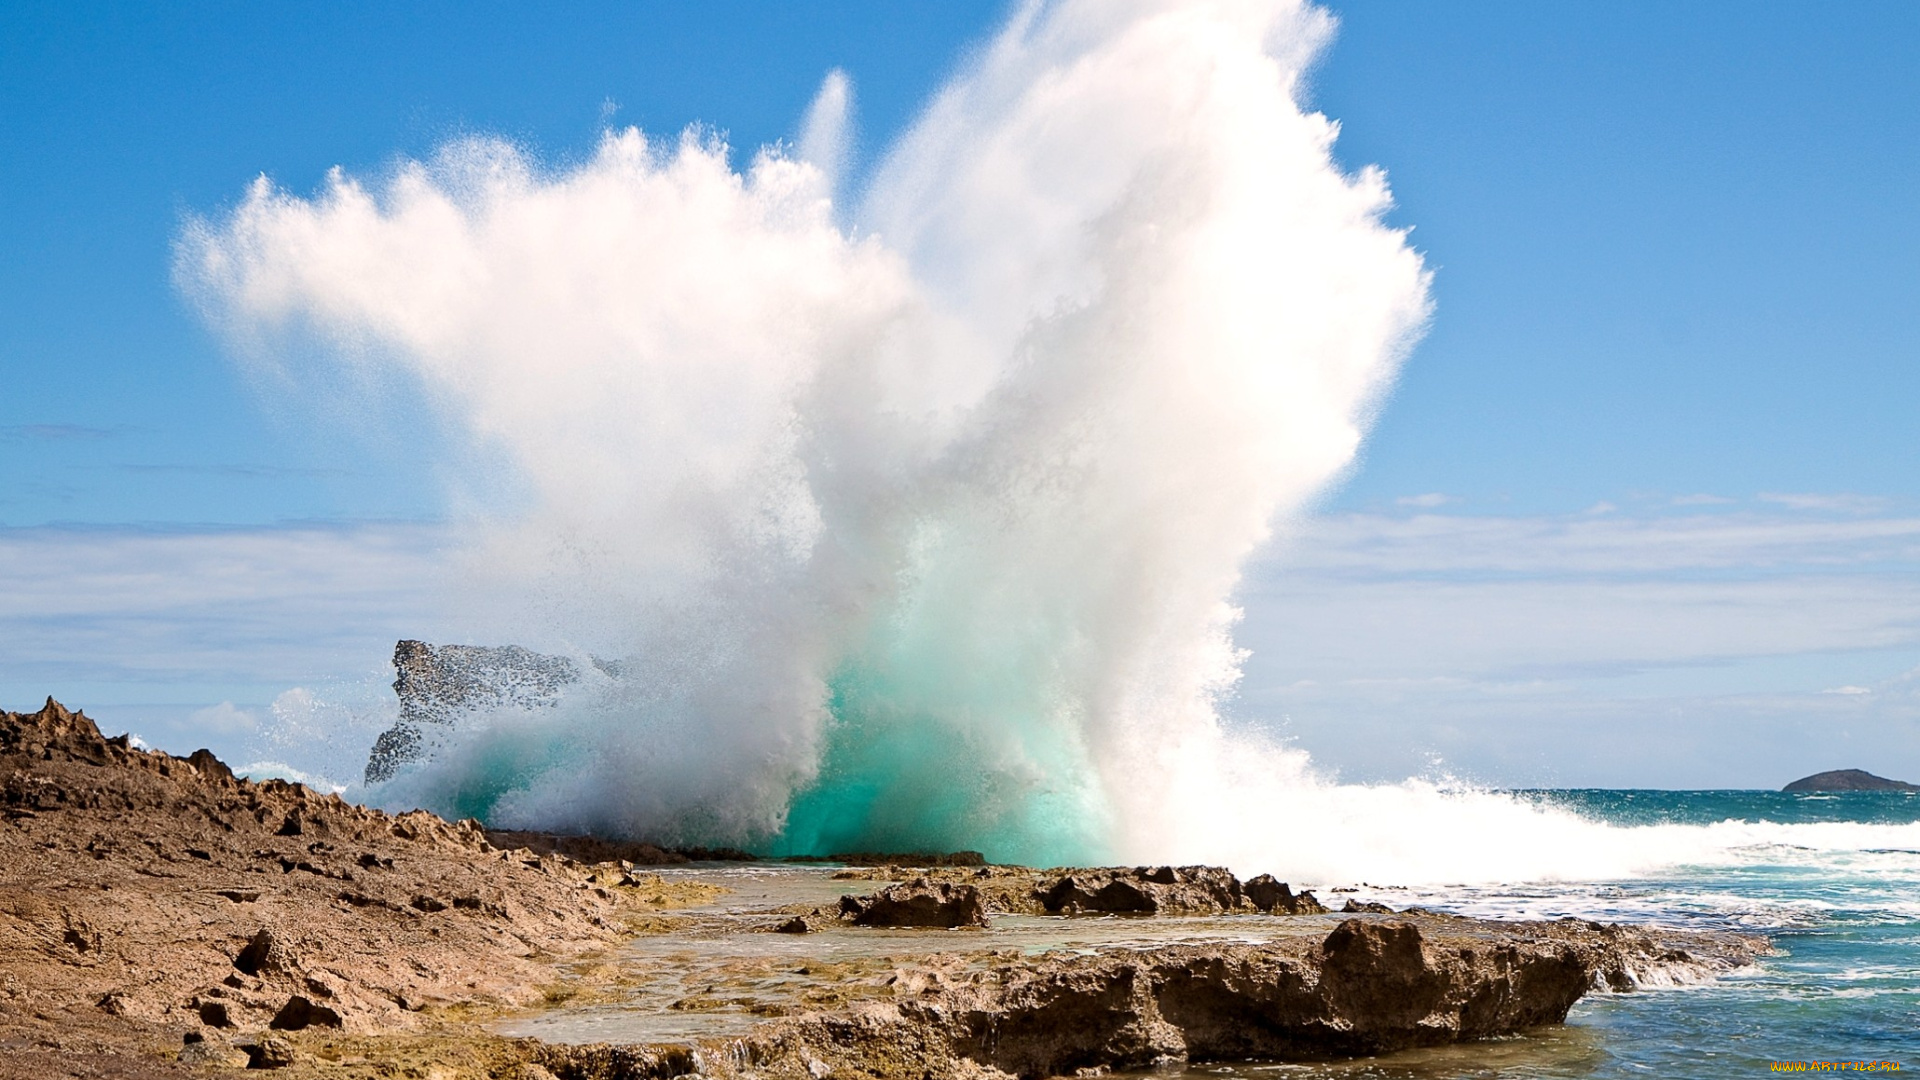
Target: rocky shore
x,y
160,917
148,898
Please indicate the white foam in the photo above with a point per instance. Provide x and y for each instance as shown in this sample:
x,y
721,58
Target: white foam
x,y
936,518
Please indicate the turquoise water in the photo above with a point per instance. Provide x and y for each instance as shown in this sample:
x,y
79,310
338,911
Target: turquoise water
x,y
1844,917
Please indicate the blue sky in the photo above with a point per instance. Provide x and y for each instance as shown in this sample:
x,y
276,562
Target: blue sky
x,y
1676,294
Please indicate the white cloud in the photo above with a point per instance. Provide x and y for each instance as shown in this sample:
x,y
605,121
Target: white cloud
x,y
1719,648
1704,649
225,718
1427,501
1832,503
1376,545
1702,500
136,615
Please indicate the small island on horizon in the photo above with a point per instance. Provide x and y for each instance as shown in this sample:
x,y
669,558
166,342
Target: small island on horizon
x,y
1848,780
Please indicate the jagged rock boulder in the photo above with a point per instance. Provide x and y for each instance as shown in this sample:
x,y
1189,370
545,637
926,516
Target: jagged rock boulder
x,y
1275,897
437,684
920,902
1144,890
1135,890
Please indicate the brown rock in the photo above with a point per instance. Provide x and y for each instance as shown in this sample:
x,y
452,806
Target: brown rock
x,y
269,1053
137,888
1144,890
1369,986
918,903
141,894
300,1013
209,766
264,952
1276,897
215,1054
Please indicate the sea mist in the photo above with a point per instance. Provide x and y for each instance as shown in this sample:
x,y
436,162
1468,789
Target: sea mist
x,y
911,518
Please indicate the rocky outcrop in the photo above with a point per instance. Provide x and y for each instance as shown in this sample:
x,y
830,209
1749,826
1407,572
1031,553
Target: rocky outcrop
x,y
140,887
1145,890
437,684
1110,890
1275,897
1367,987
159,915
870,859
600,849
1849,780
920,902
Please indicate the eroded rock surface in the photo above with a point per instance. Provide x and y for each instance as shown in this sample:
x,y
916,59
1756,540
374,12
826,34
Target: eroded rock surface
x,y
1367,986
145,892
437,684
160,917
1137,890
920,902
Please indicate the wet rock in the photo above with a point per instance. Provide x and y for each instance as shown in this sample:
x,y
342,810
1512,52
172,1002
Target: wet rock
x,y
1370,986
1355,907
1267,894
1144,890
437,684
1138,890
1378,974
895,859
918,903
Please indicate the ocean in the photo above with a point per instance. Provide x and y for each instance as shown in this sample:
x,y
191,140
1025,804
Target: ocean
x,y
1843,986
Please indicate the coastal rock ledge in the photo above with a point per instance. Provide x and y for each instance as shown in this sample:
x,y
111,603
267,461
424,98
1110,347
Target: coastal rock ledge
x,y
1371,986
161,917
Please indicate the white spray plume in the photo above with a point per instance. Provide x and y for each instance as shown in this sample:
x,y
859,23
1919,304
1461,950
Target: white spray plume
x,y
922,532
826,135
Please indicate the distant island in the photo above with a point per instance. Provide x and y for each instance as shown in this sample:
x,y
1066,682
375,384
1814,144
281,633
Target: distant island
x,y
1849,780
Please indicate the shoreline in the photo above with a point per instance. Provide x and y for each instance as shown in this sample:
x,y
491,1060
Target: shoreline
x,y
163,918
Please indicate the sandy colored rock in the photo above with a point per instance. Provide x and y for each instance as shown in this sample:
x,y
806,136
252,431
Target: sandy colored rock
x,y
145,896
161,918
1368,986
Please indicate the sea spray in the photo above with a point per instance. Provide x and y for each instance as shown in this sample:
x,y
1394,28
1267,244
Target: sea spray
x,y
917,531
914,519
